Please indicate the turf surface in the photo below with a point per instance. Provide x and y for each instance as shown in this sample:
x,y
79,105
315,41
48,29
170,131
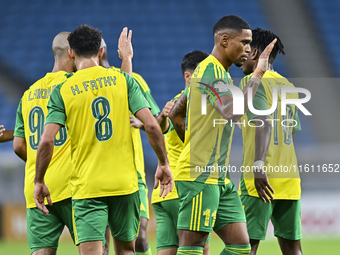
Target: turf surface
x,y
310,246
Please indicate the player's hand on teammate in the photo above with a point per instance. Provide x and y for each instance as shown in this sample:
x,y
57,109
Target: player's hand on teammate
x,y
163,177
125,49
40,192
167,108
134,122
2,129
262,186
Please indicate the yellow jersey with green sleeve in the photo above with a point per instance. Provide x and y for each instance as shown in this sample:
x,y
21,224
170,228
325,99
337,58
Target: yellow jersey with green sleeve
x,y
30,119
205,155
174,147
281,163
136,138
94,106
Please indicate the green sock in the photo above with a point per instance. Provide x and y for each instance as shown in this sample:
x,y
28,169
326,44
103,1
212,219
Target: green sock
x,y
194,250
233,249
148,252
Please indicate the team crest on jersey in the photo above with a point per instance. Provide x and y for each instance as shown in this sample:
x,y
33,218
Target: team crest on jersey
x,y
220,86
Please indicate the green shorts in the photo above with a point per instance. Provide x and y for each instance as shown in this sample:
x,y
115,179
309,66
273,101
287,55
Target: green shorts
x,y
44,231
144,201
284,214
92,215
166,216
208,207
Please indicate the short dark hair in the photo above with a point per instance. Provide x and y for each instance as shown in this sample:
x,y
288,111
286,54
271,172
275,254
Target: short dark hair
x,y
192,59
232,22
261,38
85,40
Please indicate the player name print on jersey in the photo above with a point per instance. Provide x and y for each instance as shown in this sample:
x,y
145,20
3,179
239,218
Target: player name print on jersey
x,y
94,84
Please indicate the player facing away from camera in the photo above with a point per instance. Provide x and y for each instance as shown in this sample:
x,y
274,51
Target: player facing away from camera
x,y
208,199
270,144
43,232
142,245
166,209
94,106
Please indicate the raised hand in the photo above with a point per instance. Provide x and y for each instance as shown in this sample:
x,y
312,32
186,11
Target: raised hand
x,y
167,108
125,49
262,65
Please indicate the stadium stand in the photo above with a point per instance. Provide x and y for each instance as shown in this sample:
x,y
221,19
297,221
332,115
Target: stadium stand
x,y
162,35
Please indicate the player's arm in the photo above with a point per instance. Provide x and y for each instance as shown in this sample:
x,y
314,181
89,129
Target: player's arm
x,y
178,116
19,142
226,109
125,51
19,147
5,135
262,141
161,118
55,119
140,108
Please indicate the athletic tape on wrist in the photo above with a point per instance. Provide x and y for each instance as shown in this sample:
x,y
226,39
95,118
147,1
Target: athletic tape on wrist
x,y
255,79
259,164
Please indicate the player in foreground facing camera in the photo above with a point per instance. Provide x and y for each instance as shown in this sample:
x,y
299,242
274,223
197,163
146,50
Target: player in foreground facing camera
x,y
142,245
270,144
208,199
166,209
94,106
43,232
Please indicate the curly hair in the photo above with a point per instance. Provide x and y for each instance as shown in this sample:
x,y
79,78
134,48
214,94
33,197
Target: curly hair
x,y
85,40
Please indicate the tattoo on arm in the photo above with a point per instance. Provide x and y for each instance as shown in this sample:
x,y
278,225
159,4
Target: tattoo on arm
x,y
178,116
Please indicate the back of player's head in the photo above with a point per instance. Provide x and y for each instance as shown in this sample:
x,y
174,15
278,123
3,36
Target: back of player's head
x,y
192,59
231,22
60,44
85,40
262,37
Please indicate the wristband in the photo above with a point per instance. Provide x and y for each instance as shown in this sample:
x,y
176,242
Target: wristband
x,y
259,164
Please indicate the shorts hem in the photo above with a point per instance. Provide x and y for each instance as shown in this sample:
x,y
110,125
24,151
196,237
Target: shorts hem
x,y
188,228
92,239
128,239
33,249
294,238
262,238
166,247
219,227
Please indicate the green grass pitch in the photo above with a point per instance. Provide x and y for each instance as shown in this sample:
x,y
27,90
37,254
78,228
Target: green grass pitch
x,y
310,246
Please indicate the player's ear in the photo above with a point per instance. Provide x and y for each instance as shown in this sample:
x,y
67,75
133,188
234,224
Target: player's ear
x,y
101,52
224,39
254,54
187,76
71,53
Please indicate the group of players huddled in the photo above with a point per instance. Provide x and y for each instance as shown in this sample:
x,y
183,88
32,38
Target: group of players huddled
x,y
78,130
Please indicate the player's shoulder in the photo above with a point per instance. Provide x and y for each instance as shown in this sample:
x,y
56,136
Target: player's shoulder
x,y
245,80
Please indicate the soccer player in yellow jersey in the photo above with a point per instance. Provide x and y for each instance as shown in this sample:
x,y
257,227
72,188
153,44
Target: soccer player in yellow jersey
x,y
43,232
5,135
166,209
267,146
142,246
208,199
94,106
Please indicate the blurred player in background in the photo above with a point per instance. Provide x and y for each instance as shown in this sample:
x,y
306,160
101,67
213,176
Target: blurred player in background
x,y
94,105
5,135
43,232
208,199
270,144
166,209
142,246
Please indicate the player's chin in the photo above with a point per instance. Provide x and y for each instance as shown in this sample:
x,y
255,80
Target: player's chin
x,y
239,64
